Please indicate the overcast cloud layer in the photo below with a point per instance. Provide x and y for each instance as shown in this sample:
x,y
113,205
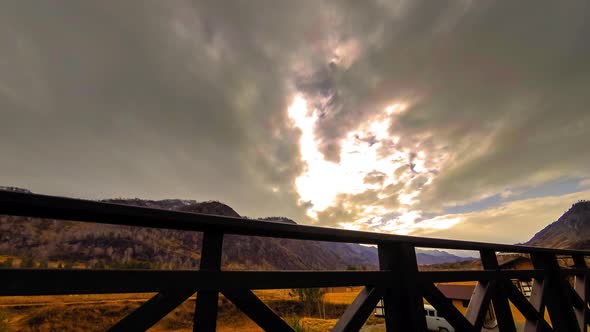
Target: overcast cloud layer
x,y
376,115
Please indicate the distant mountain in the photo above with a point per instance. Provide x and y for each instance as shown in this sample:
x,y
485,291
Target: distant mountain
x,y
432,257
103,246
570,231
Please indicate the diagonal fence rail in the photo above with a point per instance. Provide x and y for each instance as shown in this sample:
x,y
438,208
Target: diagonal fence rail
x,y
563,293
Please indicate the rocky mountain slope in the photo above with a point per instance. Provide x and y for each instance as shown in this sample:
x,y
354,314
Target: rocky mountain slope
x,y
571,230
109,246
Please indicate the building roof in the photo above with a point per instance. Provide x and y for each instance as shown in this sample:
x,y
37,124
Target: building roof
x,y
512,260
456,292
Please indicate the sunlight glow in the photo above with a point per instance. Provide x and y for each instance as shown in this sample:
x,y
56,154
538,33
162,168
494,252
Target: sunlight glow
x,y
363,167
395,109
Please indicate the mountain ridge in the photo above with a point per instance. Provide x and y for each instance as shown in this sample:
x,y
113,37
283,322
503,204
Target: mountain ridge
x,y
99,245
570,231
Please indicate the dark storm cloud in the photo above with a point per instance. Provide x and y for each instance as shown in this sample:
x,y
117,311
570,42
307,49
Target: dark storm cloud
x,y
188,98
150,99
500,86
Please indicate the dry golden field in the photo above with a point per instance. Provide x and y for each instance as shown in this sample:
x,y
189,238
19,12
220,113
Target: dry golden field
x,y
97,312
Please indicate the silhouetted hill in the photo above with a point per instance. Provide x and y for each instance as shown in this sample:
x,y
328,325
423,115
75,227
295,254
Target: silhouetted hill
x,y
571,230
99,245
15,189
209,207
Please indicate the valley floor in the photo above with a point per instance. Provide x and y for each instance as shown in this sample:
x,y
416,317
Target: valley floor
x,y
98,312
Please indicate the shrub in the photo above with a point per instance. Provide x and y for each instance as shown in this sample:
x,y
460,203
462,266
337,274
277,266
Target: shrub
x,y
311,298
7,263
296,325
27,263
4,327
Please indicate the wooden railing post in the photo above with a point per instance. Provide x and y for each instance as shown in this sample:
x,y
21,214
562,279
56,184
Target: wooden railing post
x,y
205,319
537,300
499,298
582,287
480,303
557,296
404,305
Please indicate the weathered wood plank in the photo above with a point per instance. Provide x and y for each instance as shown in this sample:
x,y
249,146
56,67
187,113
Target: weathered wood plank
x,y
535,319
577,300
480,303
499,297
538,302
446,308
205,318
65,281
403,303
582,293
558,298
452,276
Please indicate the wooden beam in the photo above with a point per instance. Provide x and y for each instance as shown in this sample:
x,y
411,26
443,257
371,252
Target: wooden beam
x,y
535,319
205,319
582,293
31,282
257,310
480,303
446,308
403,303
454,276
152,311
361,308
499,297
577,300
558,298
537,300
575,272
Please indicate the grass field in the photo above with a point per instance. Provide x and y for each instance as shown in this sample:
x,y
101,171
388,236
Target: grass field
x,y
97,312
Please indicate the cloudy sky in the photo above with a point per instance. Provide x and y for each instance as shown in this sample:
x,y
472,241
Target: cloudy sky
x,y
464,119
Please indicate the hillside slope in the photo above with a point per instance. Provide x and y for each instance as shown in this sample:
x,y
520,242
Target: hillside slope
x,y
100,246
571,230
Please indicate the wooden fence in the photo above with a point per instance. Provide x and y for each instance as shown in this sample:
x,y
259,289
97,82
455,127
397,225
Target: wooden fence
x,y
398,281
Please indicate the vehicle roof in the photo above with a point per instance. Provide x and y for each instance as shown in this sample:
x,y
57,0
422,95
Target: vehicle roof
x,y
429,307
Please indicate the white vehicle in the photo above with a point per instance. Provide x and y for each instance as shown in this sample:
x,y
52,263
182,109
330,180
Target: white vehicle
x,y
433,321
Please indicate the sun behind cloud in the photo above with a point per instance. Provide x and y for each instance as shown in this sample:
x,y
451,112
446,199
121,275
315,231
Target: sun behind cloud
x,y
374,184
